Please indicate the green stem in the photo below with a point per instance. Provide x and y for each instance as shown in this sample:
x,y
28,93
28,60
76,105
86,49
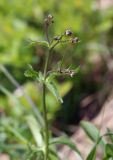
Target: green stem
x,y
45,109
46,135
44,104
46,123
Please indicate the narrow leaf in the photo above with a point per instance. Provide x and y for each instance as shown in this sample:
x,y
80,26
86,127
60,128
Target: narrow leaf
x,y
92,154
92,132
110,134
16,134
109,150
66,141
35,129
54,90
54,154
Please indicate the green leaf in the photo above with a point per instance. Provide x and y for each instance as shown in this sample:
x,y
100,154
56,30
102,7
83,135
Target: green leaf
x,y
109,150
53,75
92,154
110,134
16,134
53,154
77,70
54,90
92,132
35,43
41,77
66,141
30,72
8,147
35,129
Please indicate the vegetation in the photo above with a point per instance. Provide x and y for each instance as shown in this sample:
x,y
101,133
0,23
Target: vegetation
x,y
24,132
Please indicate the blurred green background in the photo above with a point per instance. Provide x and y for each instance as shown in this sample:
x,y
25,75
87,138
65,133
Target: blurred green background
x,y
21,21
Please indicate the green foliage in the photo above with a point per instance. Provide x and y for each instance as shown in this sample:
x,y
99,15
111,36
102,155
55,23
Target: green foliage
x,y
92,154
20,21
42,43
109,151
91,131
31,73
66,141
47,82
35,129
54,90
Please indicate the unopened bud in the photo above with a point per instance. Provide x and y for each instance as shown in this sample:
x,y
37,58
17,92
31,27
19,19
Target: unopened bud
x,y
68,32
75,40
50,16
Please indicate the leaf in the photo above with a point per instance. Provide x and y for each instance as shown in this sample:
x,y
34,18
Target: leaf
x,y
53,75
35,129
77,70
92,132
110,134
109,150
92,154
8,147
53,153
54,90
41,77
66,141
35,43
30,72
16,134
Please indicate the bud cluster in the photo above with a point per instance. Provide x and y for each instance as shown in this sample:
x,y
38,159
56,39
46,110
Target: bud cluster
x,y
73,40
68,72
66,37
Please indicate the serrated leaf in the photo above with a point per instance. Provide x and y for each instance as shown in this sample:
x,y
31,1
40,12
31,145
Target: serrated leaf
x,y
92,154
92,132
30,72
66,141
54,90
35,43
41,77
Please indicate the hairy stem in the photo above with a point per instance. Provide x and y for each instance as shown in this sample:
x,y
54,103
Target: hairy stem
x,y
44,95
44,101
45,109
46,123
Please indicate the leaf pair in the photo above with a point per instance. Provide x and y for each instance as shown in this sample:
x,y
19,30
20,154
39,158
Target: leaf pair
x,y
30,72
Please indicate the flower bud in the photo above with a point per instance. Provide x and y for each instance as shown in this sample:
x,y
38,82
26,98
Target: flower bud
x,y
75,40
68,32
50,16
